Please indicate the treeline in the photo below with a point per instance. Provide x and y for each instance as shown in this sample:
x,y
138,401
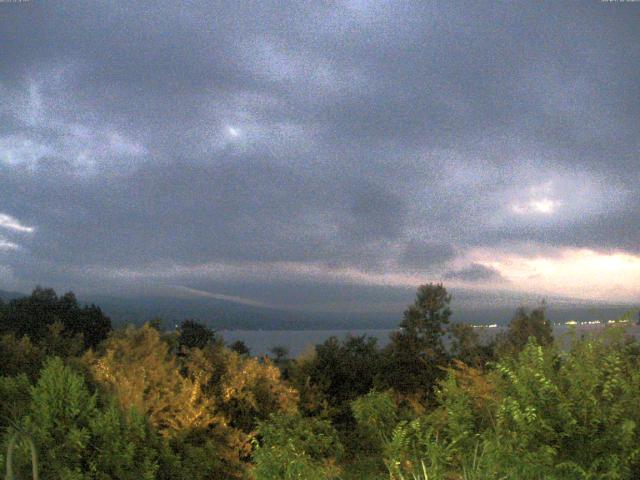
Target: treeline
x,y
143,403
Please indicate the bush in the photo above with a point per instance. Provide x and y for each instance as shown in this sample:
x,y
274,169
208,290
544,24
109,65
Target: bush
x,y
293,447
539,414
75,439
376,415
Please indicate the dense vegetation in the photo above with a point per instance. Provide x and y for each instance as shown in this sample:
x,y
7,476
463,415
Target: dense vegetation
x,y
143,403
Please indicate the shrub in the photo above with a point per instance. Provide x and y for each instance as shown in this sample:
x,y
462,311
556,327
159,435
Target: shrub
x,y
376,415
75,439
294,447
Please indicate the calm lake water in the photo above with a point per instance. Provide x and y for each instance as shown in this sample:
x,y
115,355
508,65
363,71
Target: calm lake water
x,y
261,342
297,341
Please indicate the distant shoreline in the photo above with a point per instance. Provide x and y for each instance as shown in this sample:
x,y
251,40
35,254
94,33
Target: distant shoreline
x,y
260,342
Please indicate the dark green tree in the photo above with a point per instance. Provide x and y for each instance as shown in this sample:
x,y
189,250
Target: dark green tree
x,y
157,323
33,316
75,438
294,447
20,356
280,354
341,371
416,353
15,398
240,347
467,346
523,325
195,335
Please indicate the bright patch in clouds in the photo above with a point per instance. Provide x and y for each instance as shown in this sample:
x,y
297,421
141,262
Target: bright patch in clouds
x,y
16,150
543,206
10,223
40,108
541,199
124,146
572,272
7,245
233,132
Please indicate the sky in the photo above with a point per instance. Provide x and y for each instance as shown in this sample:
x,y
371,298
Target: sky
x,y
315,154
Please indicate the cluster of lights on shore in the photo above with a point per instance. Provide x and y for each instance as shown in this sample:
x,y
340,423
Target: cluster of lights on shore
x,y
570,322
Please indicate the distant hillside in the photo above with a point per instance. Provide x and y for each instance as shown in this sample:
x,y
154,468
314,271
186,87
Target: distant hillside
x,y
6,295
476,308
226,315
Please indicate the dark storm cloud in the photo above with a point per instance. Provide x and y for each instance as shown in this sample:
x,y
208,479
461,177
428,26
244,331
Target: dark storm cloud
x,y
475,273
422,256
355,134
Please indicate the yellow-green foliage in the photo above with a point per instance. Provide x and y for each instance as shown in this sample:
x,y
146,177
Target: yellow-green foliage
x,y
242,389
293,447
19,356
205,402
542,414
135,366
376,415
74,438
146,406
574,414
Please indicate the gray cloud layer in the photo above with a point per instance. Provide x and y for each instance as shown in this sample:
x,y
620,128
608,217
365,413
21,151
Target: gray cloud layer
x,y
475,273
367,135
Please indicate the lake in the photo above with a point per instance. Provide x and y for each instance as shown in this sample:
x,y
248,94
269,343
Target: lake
x,y
260,342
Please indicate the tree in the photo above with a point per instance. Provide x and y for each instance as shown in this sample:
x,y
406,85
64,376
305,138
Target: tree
x,y
92,324
76,438
205,403
467,347
416,354
15,398
61,410
537,414
123,447
135,366
240,347
243,389
341,371
280,354
33,316
426,318
19,356
376,415
195,335
294,447
524,325
157,323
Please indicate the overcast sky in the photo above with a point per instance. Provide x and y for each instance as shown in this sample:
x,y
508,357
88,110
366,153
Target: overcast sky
x,y
281,153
